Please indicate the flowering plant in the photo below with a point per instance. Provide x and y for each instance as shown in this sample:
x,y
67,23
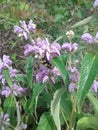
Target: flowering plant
x,y
51,92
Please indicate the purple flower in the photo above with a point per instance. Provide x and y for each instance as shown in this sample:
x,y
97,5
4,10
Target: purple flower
x,y
2,78
97,36
74,47
45,74
6,92
28,49
24,29
75,75
87,37
15,90
42,48
23,126
54,50
17,29
6,60
69,48
95,86
42,75
24,26
95,3
13,73
52,79
1,65
71,87
56,71
31,26
66,46
45,79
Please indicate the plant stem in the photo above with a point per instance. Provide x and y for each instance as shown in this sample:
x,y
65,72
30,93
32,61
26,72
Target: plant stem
x,y
64,118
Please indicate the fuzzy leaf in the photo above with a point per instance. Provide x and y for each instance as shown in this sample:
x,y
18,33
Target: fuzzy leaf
x,y
46,122
66,106
55,107
83,22
87,123
28,68
36,91
94,102
88,73
21,78
9,107
7,77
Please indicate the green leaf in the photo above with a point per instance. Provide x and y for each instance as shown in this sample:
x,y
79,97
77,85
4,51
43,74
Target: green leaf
x,y
66,106
88,73
21,78
36,91
7,77
55,107
28,68
94,102
83,22
87,123
60,63
9,107
46,122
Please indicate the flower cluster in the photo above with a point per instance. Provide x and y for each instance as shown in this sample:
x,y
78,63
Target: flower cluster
x,y
69,48
15,90
42,48
6,63
74,78
45,74
24,29
87,37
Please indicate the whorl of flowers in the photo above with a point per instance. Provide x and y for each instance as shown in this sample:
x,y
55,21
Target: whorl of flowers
x,y
24,29
6,63
42,48
88,38
74,78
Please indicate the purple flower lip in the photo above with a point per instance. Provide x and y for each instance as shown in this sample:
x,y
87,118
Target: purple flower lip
x,y
95,3
31,26
71,87
66,46
95,86
6,92
6,60
87,37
